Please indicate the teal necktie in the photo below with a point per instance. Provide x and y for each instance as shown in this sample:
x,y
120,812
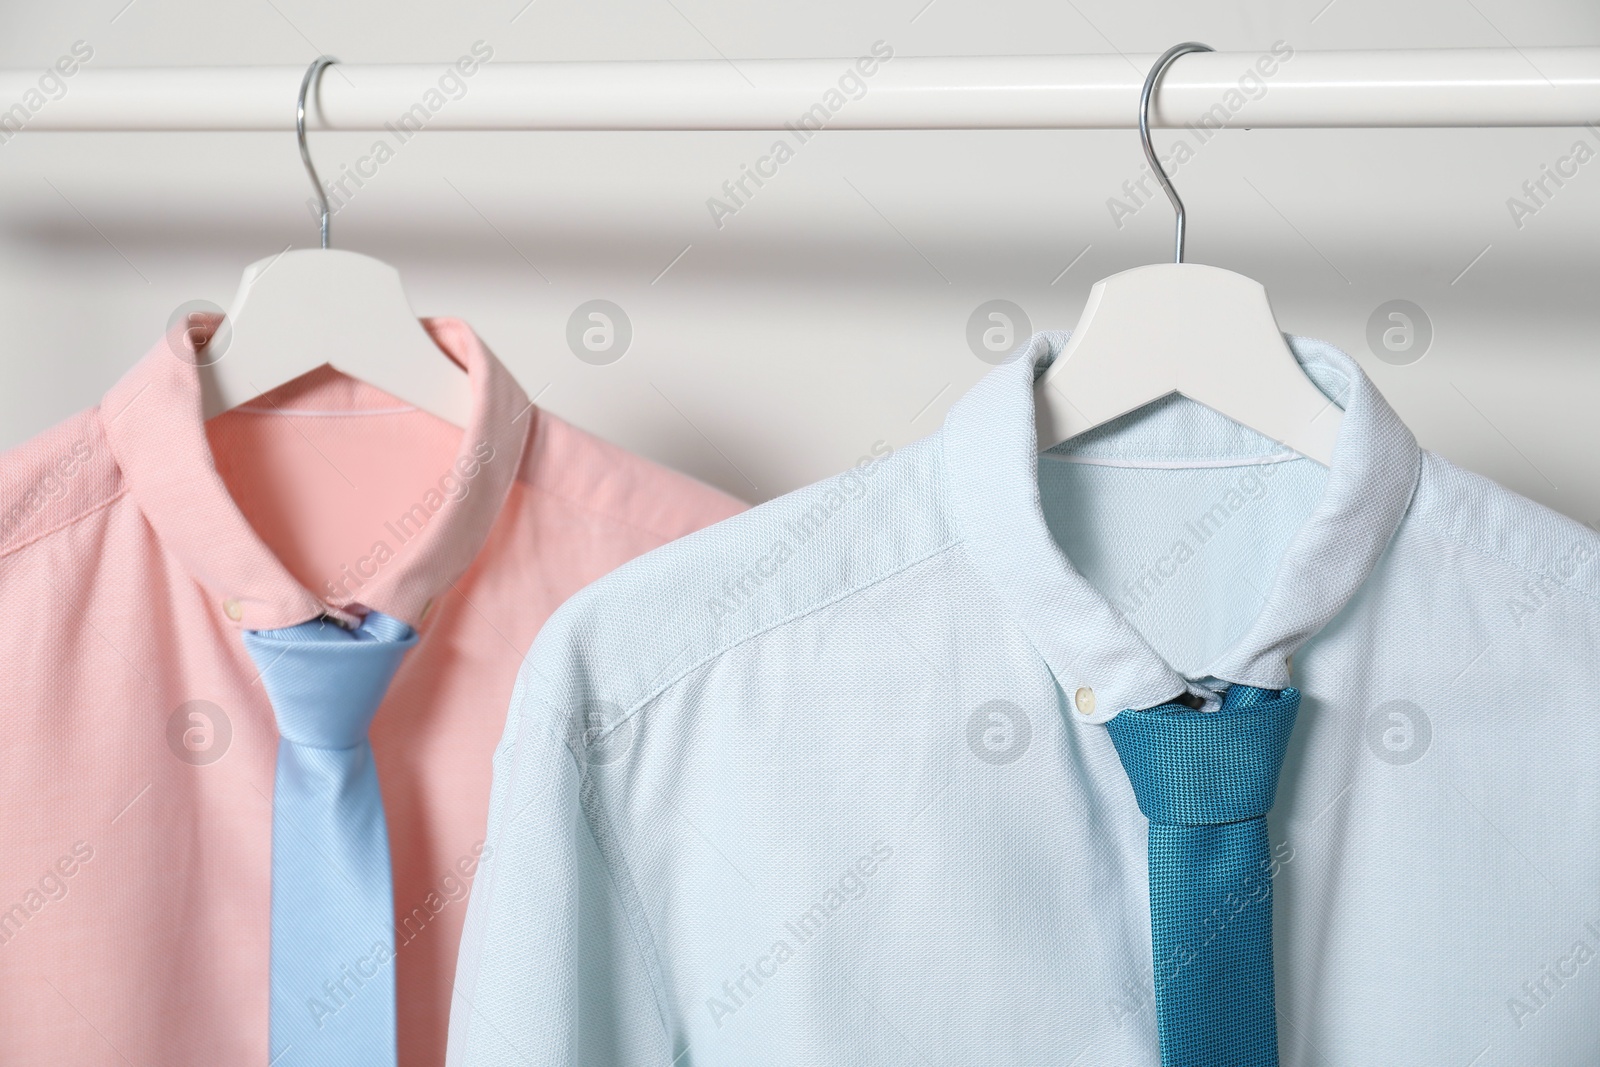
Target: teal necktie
x,y
1206,781
332,966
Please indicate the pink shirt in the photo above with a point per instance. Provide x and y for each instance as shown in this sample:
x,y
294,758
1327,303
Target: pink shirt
x,y
137,755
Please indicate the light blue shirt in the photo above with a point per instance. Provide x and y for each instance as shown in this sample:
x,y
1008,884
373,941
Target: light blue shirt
x,y
830,783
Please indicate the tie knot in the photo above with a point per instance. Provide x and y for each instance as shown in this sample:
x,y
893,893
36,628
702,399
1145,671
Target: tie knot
x,y
1198,768
325,682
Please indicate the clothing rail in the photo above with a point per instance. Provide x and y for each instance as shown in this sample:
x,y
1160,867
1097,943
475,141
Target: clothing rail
x,y
1281,88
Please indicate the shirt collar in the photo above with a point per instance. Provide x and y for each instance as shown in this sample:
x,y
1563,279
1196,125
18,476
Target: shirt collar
x,y
152,420
1102,663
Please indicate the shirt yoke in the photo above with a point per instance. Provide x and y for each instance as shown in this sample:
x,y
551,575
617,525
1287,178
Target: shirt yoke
x,y
631,635
627,637
1552,551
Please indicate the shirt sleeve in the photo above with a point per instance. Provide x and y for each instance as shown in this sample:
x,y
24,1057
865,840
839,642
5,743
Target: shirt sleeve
x,y
555,966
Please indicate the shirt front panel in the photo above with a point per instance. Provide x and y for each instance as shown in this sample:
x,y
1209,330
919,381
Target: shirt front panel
x,y
140,749
845,806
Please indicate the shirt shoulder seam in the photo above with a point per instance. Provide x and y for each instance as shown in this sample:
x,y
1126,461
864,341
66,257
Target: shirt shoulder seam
x,y
617,870
793,616
10,550
1521,568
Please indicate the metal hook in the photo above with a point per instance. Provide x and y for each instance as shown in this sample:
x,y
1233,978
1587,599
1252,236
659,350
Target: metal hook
x,y
1144,128
312,72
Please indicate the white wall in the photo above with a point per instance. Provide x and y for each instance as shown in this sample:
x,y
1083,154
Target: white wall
x,y
831,311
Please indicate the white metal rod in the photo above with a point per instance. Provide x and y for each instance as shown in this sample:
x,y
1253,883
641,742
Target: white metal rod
x,y
1431,88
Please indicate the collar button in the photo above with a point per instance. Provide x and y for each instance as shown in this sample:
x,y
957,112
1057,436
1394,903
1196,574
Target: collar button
x,y
1083,700
233,609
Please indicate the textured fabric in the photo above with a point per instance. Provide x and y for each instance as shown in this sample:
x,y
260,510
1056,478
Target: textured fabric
x,y
1206,781
332,956
138,756
816,786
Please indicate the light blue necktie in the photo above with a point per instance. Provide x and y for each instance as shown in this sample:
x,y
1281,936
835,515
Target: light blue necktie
x,y
332,969
1206,781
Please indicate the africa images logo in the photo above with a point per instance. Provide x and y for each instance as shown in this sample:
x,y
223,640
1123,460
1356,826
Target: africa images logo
x,y
198,732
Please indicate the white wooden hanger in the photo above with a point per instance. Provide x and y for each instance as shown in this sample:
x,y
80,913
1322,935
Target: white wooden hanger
x,y
306,307
1205,332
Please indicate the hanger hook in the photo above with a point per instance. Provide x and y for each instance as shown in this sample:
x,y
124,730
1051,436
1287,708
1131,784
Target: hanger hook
x,y
1144,127
312,72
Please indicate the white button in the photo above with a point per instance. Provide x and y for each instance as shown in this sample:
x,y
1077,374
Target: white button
x,y
233,609
1084,699
425,609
